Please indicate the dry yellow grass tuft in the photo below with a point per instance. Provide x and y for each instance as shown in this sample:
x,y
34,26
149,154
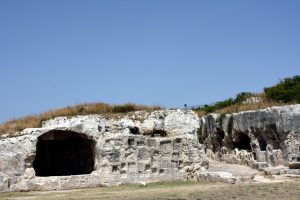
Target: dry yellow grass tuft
x,y
264,103
35,121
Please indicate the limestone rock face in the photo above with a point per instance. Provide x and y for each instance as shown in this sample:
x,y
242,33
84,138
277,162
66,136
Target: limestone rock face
x,y
95,150
263,138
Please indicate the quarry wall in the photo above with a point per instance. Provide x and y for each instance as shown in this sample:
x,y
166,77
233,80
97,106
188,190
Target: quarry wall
x,y
144,146
260,139
94,150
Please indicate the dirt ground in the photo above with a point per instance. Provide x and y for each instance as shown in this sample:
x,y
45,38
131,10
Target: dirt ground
x,y
171,191
237,170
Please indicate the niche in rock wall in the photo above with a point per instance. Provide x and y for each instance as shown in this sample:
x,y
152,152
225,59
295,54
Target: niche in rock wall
x,y
262,143
267,136
272,136
134,130
62,153
158,133
241,142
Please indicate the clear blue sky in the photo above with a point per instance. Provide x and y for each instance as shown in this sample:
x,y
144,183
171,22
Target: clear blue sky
x,y
165,52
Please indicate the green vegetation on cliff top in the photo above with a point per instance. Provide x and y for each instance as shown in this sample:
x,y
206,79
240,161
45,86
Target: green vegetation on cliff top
x,y
286,92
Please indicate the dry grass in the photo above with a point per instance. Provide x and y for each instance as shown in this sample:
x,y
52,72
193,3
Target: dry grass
x,y
246,107
239,107
34,121
200,113
171,191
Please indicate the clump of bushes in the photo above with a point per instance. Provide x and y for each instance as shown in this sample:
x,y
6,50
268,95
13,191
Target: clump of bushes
x,y
226,103
35,121
287,90
243,96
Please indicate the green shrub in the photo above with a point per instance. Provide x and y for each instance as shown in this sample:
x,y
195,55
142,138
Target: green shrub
x,y
287,90
216,106
226,103
242,96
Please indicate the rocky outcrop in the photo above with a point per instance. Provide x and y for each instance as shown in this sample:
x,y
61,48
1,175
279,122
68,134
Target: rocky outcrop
x,y
95,150
141,147
260,139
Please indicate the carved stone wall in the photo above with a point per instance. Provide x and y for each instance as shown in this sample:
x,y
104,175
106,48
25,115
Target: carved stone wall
x,y
88,151
263,138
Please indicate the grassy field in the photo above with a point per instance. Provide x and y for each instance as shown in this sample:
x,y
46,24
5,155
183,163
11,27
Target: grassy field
x,y
171,191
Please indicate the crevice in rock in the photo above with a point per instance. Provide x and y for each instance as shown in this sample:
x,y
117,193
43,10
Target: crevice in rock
x,y
217,140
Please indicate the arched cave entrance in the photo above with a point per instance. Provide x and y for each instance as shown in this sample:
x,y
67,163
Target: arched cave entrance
x,y
63,153
242,142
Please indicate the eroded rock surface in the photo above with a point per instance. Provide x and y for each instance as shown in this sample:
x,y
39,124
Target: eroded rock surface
x,y
261,139
94,150
141,147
